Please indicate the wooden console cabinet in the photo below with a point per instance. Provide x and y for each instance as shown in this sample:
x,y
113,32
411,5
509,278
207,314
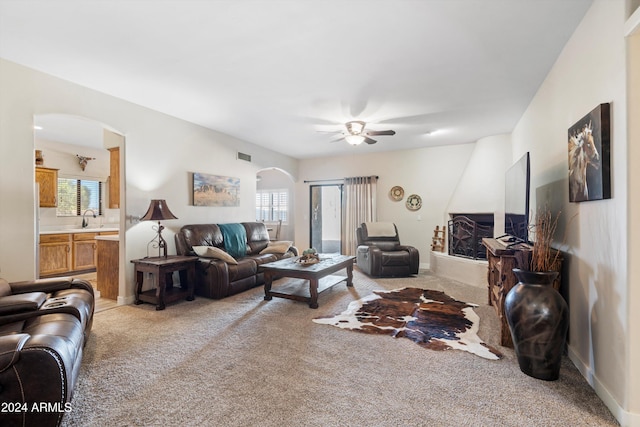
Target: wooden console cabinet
x,y
500,278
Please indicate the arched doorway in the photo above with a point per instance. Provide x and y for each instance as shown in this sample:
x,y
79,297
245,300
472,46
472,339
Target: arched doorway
x,y
275,201
81,161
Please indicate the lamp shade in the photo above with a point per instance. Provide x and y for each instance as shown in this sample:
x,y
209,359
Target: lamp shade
x,y
158,210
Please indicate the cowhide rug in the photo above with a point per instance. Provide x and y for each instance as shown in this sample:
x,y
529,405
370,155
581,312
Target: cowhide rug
x,y
430,318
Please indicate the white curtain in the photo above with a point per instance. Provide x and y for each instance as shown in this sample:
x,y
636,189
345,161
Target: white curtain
x,y
359,206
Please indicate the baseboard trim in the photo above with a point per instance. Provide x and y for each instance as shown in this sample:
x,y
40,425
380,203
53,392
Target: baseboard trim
x,y
625,418
126,300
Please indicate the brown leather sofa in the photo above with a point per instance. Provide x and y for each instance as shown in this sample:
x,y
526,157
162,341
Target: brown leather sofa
x,y
380,254
216,278
44,325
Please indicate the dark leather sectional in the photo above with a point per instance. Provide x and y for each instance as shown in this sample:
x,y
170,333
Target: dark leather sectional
x,y
44,325
218,279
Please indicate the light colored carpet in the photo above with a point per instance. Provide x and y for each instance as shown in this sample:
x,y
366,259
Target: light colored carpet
x,y
243,361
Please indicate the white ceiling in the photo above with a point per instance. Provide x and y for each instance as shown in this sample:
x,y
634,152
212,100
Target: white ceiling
x,y
69,129
276,72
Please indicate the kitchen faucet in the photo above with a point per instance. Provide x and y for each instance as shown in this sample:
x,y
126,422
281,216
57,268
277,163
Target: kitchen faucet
x,y
85,223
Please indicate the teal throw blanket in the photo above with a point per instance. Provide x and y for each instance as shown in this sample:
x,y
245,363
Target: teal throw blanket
x,y
235,239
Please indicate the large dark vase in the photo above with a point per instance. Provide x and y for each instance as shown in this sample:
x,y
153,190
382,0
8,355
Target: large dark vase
x,y
538,318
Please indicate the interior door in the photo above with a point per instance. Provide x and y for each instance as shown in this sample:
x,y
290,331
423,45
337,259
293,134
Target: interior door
x,y
325,216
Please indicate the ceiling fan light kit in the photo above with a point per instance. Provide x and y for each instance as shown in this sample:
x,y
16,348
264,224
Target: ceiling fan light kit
x,y
354,139
356,133
355,127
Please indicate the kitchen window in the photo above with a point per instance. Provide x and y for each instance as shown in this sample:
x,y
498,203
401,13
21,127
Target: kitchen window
x,y
75,196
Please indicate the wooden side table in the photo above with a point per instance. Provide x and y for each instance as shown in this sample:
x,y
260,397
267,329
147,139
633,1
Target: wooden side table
x,y
163,268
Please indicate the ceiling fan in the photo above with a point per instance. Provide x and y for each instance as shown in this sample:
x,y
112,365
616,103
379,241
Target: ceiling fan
x,y
357,134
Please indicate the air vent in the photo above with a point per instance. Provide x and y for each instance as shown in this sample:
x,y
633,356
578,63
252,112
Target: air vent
x,y
242,156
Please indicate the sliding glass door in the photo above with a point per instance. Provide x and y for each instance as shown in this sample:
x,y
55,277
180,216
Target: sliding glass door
x,y
325,216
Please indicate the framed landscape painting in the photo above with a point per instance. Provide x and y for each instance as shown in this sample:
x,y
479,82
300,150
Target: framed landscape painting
x,y
589,151
215,190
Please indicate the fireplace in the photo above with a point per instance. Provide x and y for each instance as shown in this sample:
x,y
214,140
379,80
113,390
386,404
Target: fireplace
x,y
466,232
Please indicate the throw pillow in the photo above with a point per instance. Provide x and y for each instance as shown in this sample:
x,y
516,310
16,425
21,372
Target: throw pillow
x,y
213,252
279,247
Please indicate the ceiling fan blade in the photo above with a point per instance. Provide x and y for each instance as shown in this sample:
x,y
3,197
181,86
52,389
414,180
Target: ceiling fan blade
x,y
338,138
380,132
369,140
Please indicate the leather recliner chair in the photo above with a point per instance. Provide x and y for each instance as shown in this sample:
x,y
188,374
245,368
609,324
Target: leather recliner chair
x,y
380,253
44,325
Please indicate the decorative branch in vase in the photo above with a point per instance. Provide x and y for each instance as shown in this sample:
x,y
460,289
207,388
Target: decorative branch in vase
x,y
543,256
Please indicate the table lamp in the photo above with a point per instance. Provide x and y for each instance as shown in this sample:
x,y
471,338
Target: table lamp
x,y
158,211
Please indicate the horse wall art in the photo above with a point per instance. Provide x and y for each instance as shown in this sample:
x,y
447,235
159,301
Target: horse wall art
x,y
589,151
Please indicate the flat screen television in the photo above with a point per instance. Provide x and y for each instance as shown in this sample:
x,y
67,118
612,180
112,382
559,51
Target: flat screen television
x,y
516,200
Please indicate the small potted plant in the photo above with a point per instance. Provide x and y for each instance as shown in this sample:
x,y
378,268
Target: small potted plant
x,y
309,256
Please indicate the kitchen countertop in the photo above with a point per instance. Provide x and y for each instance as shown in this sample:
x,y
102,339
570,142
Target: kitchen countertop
x,y
111,237
79,230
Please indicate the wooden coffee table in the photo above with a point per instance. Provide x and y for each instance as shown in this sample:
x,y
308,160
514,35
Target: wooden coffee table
x,y
319,277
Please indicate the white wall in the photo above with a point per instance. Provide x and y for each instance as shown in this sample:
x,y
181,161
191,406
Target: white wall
x,y
431,173
633,126
589,71
481,186
159,154
62,156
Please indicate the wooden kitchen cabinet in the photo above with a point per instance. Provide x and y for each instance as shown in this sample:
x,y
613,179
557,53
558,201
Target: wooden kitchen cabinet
x,y
55,254
108,267
63,253
47,178
84,251
114,178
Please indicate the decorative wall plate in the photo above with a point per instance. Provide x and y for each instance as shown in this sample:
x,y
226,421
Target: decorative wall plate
x,y
397,193
414,202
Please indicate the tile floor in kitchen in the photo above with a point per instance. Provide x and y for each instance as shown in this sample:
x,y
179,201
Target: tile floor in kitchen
x,y
101,303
